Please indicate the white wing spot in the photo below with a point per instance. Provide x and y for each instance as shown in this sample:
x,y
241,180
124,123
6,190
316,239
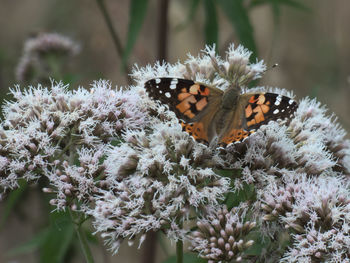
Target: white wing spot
x,y
276,111
282,110
291,102
158,81
173,86
174,81
167,94
157,86
278,100
160,91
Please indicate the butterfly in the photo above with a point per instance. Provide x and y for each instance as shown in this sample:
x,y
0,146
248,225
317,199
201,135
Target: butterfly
x,y
208,113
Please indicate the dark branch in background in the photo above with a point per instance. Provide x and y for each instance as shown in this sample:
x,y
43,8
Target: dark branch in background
x,y
163,30
149,253
1,84
115,37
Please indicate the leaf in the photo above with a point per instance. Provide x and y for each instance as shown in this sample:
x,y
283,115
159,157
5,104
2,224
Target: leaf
x,y
211,23
188,258
239,19
260,244
247,193
138,10
53,242
59,238
191,13
12,200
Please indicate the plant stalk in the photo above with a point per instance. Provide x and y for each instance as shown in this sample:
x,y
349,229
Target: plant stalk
x,y
82,239
78,222
163,30
179,251
115,37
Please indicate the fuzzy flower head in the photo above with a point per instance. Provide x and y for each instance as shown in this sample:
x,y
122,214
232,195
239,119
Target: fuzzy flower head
x,y
156,181
45,129
317,211
209,68
40,52
222,235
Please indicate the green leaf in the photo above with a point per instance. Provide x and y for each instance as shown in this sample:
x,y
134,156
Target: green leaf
x,y
260,243
211,23
238,16
12,200
247,193
59,238
53,242
191,13
188,258
138,10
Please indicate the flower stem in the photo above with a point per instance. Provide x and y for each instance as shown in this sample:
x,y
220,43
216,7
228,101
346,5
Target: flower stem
x,y
82,239
163,30
179,251
77,221
114,35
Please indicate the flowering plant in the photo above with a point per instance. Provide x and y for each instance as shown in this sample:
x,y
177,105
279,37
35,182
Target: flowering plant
x,y
122,159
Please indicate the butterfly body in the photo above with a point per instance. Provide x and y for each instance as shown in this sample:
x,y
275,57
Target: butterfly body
x,y
208,113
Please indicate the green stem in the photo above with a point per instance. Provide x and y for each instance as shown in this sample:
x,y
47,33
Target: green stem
x,y
77,221
114,35
82,239
179,251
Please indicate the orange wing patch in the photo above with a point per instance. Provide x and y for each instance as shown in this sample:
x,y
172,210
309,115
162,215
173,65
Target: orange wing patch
x,y
193,100
236,135
185,104
196,130
255,114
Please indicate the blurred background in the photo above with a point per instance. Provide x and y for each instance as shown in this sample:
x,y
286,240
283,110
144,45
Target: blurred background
x,y
309,39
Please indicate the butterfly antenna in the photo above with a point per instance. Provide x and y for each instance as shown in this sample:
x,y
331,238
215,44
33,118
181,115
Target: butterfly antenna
x,y
272,67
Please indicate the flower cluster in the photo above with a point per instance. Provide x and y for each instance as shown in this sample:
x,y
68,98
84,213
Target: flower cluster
x,y
48,132
315,209
36,50
222,235
126,157
156,177
208,68
155,181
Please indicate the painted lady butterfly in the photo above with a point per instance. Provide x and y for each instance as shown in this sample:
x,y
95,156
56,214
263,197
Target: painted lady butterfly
x,y
207,112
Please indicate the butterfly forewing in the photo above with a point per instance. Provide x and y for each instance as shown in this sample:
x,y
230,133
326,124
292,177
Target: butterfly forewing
x,y
185,97
262,108
253,111
195,104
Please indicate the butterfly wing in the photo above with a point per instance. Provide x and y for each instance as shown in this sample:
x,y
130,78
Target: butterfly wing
x,y
253,111
194,104
265,107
